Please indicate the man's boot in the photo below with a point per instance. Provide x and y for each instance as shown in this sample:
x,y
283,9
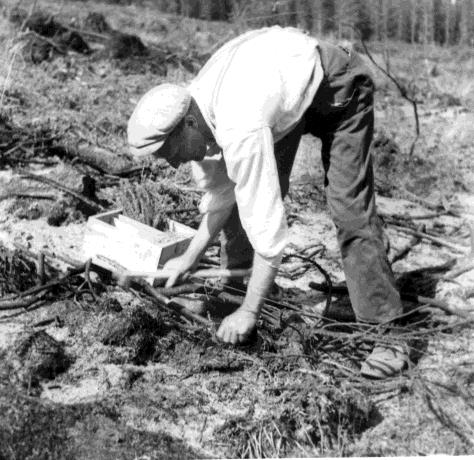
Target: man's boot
x,y
386,361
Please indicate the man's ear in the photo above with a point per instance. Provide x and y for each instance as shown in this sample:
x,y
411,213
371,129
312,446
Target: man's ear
x,y
191,121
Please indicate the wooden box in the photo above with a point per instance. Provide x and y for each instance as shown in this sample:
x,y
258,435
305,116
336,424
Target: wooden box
x,y
116,242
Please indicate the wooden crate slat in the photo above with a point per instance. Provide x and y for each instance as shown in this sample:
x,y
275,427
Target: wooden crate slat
x,y
116,242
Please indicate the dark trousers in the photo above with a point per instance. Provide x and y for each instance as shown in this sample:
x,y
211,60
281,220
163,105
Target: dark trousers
x,y
342,116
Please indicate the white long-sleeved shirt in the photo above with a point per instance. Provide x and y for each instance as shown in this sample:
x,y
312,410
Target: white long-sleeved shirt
x,y
252,92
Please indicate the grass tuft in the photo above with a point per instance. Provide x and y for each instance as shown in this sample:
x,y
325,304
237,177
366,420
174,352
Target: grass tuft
x,y
152,203
321,420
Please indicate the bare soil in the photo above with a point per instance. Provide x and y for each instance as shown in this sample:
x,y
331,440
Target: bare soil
x,y
110,375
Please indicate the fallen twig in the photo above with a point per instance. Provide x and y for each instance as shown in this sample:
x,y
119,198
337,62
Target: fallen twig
x,y
458,272
34,294
426,203
171,306
58,48
406,216
401,88
41,269
14,304
13,149
324,273
403,251
443,416
65,189
48,321
406,223
434,239
87,33
87,268
179,290
34,196
435,303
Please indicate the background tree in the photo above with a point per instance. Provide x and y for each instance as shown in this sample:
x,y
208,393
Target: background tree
x,y
466,25
447,22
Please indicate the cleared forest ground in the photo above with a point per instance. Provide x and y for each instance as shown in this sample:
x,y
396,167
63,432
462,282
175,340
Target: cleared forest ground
x,y
102,373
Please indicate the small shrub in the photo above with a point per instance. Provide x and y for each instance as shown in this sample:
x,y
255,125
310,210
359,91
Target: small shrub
x,y
152,203
121,46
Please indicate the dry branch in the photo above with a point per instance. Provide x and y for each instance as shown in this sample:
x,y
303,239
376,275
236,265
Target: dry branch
x,y
434,239
401,88
458,272
34,196
427,203
50,42
403,251
14,304
41,269
406,216
179,290
33,295
171,306
101,159
323,272
64,189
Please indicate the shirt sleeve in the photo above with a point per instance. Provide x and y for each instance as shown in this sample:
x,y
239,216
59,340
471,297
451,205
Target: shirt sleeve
x,y
210,175
251,166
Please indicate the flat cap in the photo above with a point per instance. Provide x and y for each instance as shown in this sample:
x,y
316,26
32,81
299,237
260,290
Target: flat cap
x,y
157,113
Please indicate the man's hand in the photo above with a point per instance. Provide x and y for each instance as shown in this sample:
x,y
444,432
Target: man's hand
x,y
209,227
181,266
237,327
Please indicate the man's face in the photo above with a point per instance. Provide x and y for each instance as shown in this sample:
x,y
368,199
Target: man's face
x,y
184,144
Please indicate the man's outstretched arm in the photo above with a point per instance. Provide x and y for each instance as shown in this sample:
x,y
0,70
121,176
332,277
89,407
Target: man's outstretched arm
x,y
238,326
211,224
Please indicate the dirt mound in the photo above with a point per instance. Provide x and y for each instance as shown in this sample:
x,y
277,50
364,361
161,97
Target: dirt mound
x,y
96,22
62,212
50,38
109,305
38,49
153,64
157,60
134,329
74,41
40,430
384,150
37,356
122,46
39,22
